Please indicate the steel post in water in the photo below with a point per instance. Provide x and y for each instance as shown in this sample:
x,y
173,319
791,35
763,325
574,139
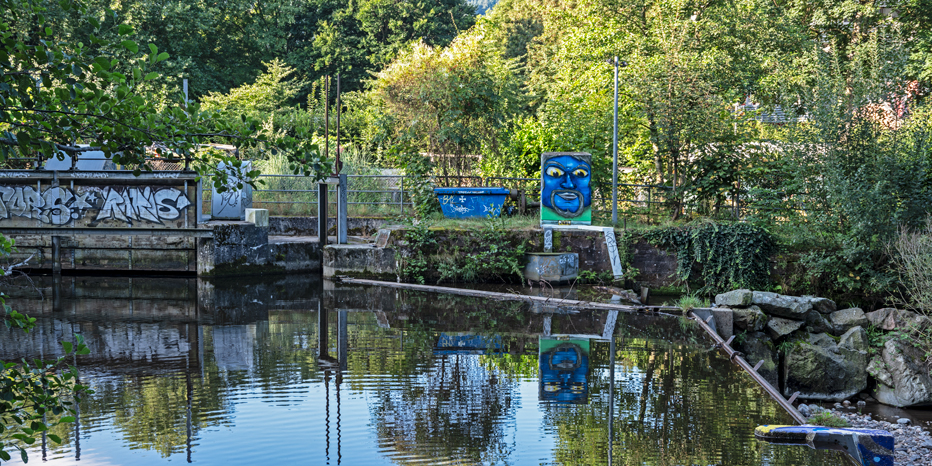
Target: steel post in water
x,y
323,345
56,292
342,335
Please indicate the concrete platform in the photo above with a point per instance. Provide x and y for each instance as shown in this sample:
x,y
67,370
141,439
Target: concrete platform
x,y
359,260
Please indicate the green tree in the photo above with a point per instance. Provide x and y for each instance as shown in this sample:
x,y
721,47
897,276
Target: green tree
x,y
55,94
360,37
453,100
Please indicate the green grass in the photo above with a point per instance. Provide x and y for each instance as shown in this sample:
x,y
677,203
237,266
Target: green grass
x,y
828,419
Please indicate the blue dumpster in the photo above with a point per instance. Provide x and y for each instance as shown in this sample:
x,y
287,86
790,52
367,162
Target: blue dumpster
x,y
471,202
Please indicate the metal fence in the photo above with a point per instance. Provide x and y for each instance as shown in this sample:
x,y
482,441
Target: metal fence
x,y
386,195
367,196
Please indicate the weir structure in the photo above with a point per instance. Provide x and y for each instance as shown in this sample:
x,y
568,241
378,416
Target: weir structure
x,y
113,220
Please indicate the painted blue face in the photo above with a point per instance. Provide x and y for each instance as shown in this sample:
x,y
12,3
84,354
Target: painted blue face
x,y
566,185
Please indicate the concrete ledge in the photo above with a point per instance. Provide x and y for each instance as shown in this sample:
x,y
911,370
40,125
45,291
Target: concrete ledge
x,y
359,260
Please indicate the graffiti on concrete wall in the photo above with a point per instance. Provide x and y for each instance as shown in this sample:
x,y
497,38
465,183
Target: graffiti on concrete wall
x,y
60,205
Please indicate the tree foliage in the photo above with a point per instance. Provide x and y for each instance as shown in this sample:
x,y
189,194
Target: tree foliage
x,y
452,100
56,94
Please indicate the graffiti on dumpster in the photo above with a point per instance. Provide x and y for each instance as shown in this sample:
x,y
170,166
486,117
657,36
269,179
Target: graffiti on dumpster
x,y
60,205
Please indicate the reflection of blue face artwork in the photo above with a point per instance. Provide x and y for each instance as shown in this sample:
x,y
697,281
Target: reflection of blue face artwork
x,y
565,189
563,371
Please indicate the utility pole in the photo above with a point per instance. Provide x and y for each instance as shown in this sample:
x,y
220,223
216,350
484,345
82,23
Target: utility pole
x,y
615,153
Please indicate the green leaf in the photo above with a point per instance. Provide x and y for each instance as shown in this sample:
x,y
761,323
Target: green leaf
x,y
54,438
4,455
151,76
125,29
130,45
162,57
67,346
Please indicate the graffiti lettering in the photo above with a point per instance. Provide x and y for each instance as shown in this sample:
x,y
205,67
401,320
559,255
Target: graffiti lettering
x,y
60,205
135,204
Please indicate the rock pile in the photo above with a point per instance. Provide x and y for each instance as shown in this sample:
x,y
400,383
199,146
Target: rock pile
x,y
809,346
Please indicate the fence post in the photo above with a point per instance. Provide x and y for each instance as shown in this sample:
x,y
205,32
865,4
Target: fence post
x,y
401,201
649,189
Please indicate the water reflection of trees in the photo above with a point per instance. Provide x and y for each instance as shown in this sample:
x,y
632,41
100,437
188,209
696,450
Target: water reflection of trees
x,y
674,404
453,409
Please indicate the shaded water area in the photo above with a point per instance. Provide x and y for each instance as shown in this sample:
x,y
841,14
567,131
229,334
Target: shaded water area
x,y
228,372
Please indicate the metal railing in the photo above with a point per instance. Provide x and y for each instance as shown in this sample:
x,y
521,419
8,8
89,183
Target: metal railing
x,y
387,195
296,195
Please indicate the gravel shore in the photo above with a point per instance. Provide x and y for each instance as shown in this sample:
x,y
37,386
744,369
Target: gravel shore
x,y
913,445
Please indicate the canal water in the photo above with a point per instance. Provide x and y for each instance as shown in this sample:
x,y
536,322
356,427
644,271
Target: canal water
x,y
229,372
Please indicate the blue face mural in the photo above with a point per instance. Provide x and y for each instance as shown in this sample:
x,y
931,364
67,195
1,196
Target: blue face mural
x,y
565,192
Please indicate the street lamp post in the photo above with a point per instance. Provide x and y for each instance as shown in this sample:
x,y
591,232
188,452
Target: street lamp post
x,y
615,152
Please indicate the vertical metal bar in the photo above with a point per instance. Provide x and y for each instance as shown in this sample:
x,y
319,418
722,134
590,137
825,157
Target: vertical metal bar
x,y
186,193
339,165
342,200
322,213
326,119
401,202
615,153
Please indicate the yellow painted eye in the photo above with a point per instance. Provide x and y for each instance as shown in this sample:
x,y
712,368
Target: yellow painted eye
x,y
554,172
580,172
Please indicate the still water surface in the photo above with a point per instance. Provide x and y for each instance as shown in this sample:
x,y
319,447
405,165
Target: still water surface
x,y
228,372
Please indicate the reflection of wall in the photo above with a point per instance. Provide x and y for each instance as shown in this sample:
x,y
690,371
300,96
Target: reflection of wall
x,y
121,347
233,346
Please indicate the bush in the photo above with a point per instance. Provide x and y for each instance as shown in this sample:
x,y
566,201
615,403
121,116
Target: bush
x,y
912,255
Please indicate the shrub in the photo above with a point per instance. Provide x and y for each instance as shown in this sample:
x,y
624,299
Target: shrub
x,y
912,255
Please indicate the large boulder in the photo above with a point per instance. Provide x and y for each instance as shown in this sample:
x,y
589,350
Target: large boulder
x,y
890,318
779,328
757,347
902,378
823,305
845,319
751,319
817,323
855,339
736,298
789,307
820,369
